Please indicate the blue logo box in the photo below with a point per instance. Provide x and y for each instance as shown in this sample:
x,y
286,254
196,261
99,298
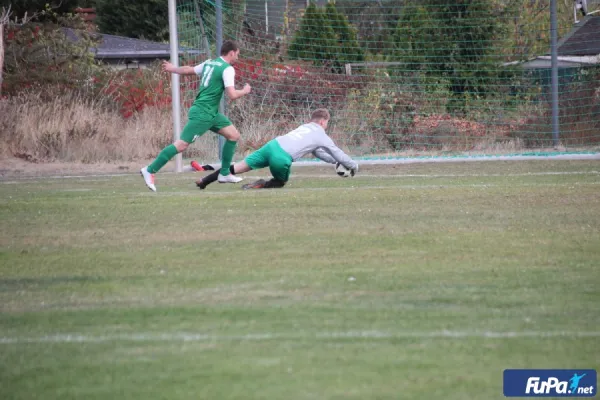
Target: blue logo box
x,y
550,382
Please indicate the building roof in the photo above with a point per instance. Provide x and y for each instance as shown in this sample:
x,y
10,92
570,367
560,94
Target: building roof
x,y
583,40
119,47
579,48
545,62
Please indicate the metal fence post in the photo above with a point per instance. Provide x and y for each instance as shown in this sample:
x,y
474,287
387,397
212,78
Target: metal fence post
x,y
219,23
554,66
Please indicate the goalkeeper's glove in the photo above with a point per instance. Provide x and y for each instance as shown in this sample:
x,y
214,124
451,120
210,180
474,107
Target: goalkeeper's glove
x,y
354,170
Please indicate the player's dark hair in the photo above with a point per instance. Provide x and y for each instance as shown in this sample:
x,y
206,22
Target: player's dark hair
x,y
228,45
320,113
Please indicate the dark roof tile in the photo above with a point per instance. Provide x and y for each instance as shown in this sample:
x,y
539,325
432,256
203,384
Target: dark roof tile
x,y
584,40
112,46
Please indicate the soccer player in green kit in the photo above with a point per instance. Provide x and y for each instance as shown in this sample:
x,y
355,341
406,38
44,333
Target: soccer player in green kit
x,y
216,76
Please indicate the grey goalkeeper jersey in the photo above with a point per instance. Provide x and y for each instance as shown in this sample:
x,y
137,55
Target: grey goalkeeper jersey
x,y
311,138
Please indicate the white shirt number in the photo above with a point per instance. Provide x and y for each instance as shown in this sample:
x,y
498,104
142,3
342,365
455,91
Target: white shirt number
x,y
298,134
207,73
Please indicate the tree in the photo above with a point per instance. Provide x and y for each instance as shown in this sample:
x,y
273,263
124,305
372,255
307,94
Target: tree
x,y
375,21
40,53
4,19
414,39
23,11
528,29
349,49
325,37
148,19
453,41
21,8
315,39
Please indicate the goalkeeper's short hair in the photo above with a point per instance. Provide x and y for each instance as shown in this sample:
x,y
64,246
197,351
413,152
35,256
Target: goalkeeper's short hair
x,y
320,113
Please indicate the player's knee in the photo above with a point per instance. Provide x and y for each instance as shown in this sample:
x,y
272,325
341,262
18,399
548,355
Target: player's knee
x,y
181,145
234,136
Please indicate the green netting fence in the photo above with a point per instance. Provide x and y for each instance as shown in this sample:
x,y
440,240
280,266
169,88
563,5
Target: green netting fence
x,y
406,75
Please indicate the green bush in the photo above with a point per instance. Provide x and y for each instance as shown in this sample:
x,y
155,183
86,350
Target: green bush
x,y
148,19
325,37
19,8
454,41
40,54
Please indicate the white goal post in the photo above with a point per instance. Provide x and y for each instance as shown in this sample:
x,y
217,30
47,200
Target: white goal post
x,y
175,103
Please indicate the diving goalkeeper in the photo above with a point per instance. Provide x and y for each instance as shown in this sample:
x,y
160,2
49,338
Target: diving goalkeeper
x,y
279,153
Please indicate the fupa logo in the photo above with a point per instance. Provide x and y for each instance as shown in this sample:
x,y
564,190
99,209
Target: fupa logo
x,y
550,382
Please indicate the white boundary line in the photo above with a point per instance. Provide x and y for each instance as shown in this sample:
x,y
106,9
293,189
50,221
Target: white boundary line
x,y
291,190
383,161
441,159
254,337
106,177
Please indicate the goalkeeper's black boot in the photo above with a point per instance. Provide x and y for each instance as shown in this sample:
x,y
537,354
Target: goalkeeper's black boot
x,y
259,184
262,184
274,184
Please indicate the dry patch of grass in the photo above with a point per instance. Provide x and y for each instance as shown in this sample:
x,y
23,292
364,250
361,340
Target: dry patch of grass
x,y
73,128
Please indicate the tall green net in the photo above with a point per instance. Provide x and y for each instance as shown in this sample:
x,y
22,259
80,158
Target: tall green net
x,y
408,76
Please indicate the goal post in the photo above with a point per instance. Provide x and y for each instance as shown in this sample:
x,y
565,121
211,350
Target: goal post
x,y
176,100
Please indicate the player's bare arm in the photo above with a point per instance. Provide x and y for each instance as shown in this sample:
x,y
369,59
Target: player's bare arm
x,y
185,70
233,93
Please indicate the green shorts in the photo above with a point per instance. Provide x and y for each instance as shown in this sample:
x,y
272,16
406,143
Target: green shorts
x,y
273,156
199,122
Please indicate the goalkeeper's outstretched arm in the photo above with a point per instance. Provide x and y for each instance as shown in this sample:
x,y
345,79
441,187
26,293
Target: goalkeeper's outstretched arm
x,y
333,154
324,156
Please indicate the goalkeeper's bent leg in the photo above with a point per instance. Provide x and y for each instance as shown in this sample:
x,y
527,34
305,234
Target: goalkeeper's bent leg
x,y
274,184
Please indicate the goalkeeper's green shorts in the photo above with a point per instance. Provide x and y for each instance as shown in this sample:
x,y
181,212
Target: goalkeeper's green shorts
x,y
273,156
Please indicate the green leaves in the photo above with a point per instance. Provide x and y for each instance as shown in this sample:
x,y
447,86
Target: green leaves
x,y
39,54
146,19
326,37
456,40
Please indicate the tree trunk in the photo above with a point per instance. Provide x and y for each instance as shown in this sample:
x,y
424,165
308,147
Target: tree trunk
x,y
1,52
4,20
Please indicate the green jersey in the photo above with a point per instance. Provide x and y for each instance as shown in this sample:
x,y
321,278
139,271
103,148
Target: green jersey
x,y
215,76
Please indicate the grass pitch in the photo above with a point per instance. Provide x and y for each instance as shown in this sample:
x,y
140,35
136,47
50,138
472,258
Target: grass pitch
x,y
416,281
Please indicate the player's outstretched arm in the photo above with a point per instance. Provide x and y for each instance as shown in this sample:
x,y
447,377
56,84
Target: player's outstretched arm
x,y
185,70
